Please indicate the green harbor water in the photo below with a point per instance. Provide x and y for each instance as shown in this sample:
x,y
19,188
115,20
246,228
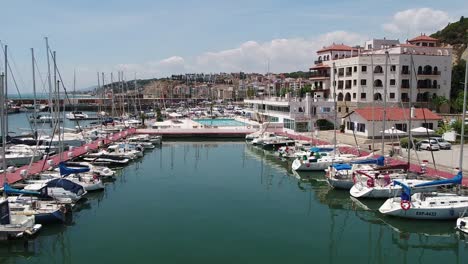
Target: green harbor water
x,y
212,202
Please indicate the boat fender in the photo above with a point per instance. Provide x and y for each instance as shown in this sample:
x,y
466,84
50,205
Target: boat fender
x,y
405,205
307,165
370,183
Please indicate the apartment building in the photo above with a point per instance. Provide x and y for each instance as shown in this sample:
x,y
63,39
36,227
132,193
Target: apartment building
x,y
361,74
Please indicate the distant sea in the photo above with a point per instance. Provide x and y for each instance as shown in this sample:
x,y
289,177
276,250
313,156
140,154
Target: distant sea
x,y
44,96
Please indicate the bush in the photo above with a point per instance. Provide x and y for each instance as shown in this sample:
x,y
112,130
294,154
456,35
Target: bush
x,y
324,124
405,141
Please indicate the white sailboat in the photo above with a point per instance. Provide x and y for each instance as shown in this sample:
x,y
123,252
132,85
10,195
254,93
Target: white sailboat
x,y
430,205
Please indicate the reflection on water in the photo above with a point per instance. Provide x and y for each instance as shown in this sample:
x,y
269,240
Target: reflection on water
x,y
202,202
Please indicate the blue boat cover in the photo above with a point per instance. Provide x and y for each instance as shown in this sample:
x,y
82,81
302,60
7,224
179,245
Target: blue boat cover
x,y
380,161
64,170
406,193
9,190
455,180
340,166
318,149
67,185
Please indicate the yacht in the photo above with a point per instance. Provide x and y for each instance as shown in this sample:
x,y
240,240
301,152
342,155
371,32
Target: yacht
x,y
342,176
321,158
76,115
43,211
427,205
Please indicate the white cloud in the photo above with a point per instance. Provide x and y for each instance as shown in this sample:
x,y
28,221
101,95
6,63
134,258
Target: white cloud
x,y
416,21
283,55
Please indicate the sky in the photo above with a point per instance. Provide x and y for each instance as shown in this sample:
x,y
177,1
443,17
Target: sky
x,y
153,38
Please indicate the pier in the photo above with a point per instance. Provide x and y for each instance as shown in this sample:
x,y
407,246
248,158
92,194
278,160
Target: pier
x,y
430,172
45,164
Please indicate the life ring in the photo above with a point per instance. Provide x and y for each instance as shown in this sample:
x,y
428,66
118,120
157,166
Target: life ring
x,y
405,205
370,183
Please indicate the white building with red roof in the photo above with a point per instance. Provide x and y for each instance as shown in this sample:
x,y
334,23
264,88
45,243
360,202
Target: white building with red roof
x,y
368,121
360,74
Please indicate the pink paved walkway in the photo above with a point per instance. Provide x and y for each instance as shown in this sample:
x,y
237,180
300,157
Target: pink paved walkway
x,y
43,165
353,150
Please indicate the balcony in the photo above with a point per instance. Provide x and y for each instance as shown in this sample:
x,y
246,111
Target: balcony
x,y
428,73
318,75
318,62
378,72
407,72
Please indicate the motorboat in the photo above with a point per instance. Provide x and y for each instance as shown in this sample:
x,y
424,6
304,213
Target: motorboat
x,y
21,155
101,171
427,205
265,137
41,118
15,226
274,144
76,115
156,140
321,158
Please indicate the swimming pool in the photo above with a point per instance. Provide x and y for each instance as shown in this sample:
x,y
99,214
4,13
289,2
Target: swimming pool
x,y
221,122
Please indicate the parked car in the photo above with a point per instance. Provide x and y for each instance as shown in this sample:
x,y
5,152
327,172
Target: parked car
x,y
427,144
442,143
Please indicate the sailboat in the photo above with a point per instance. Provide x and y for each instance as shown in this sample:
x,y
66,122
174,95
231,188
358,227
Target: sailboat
x,y
427,205
12,226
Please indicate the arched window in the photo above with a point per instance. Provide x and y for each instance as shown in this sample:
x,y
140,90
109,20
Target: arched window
x,y
378,83
336,56
436,70
340,97
320,58
347,97
434,84
378,97
420,70
378,69
427,70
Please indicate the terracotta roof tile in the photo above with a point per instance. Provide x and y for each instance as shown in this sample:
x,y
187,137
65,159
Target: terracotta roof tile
x,y
340,47
422,38
396,114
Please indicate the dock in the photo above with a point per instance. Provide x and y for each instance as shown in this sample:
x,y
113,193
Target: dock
x,y
45,164
430,172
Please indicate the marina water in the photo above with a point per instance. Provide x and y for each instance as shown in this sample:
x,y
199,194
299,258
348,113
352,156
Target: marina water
x,y
228,202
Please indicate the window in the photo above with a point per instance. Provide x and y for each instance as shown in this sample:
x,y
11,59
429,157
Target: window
x,y
428,125
392,82
348,84
363,95
339,109
340,71
354,82
405,83
392,95
361,127
347,110
350,125
364,68
392,68
354,95
340,84
348,71
405,69
402,127
355,69
363,82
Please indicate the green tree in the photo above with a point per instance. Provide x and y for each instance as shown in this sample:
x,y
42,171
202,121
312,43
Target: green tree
x,y
457,104
458,78
306,89
250,92
284,91
438,101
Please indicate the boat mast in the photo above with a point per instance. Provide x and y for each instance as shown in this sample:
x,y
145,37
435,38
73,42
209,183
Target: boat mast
x,y
462,133
49,79
335,105
34,92
112,90
373,99
384,121
2,123
410,119
5,95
